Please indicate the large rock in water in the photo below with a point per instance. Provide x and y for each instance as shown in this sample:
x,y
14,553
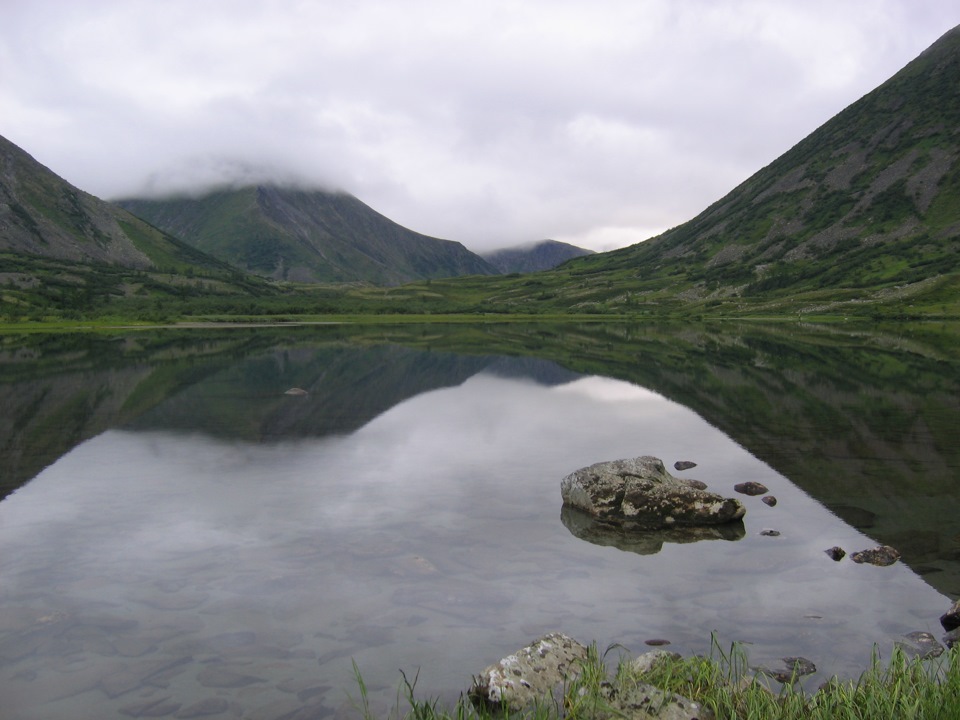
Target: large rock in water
x,y
640,494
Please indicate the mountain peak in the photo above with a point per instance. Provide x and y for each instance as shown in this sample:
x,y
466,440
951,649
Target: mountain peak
x,y
307,235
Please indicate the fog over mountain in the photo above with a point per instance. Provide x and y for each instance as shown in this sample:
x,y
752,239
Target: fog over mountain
x,y
597,124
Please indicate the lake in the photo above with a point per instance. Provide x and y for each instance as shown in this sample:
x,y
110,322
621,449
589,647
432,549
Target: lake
x,y
181,535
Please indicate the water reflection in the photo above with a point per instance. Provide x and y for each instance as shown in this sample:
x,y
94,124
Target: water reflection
x,y
647,542
173,565
230,548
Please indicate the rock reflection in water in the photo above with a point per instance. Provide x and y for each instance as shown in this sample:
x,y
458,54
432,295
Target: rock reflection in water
x,y
152,569
642,542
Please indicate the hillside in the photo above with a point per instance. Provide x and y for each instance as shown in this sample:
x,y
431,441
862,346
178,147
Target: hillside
x,y
869,200
306,236
64,250
544,255
42,214
863,215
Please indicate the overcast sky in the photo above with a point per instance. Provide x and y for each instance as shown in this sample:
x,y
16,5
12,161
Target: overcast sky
x,y
596,122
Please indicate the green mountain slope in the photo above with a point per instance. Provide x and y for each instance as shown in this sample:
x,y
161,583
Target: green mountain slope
x,y
863,215
307,236
543,255
42,214
65,252
869,200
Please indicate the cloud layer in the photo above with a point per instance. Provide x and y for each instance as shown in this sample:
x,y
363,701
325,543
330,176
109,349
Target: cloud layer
x,y
492,123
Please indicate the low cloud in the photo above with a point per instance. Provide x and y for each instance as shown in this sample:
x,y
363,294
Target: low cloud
x,y
492,124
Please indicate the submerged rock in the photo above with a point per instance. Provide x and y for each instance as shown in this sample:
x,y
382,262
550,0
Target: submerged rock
x,y
203,708
952,638
792,669
639,493
531,674
920,644
951,618
881,555
643,542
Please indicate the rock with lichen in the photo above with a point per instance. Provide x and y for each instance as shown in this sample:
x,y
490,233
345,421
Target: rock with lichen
x,y
639,493
531,674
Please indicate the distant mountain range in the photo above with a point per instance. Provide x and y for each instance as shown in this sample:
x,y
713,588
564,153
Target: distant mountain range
x,y
544,255
307,236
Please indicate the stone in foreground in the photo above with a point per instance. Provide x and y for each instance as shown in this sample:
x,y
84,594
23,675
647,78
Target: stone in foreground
x,y
648,702
640,494
530,675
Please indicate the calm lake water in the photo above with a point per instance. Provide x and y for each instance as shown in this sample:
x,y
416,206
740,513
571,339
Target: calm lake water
x,y
184,537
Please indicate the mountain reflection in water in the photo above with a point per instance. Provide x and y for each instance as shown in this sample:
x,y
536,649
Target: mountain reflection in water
x,y
200,536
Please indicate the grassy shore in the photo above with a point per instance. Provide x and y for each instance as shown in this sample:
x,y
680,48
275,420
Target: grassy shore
x,y
725,686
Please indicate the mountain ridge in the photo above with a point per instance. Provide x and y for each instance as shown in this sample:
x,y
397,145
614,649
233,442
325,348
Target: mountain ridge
x,y
44,215
289,233
879,178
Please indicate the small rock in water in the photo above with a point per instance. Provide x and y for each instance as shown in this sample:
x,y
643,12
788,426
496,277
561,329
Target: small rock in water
x,y
769,500
296,391
684,465
881,555
770,533
750,488
920,644
656,642
793,669
836,553
951,618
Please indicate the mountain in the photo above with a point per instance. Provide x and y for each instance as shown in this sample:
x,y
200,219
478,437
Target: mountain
x,y
543,255
863,215
41,214
306,236
66,253
869,200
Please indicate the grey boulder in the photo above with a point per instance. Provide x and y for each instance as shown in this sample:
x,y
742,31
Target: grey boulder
x,y
531,674
639,493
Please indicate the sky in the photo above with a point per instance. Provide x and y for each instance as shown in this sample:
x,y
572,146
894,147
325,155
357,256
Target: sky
x,y
490,122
